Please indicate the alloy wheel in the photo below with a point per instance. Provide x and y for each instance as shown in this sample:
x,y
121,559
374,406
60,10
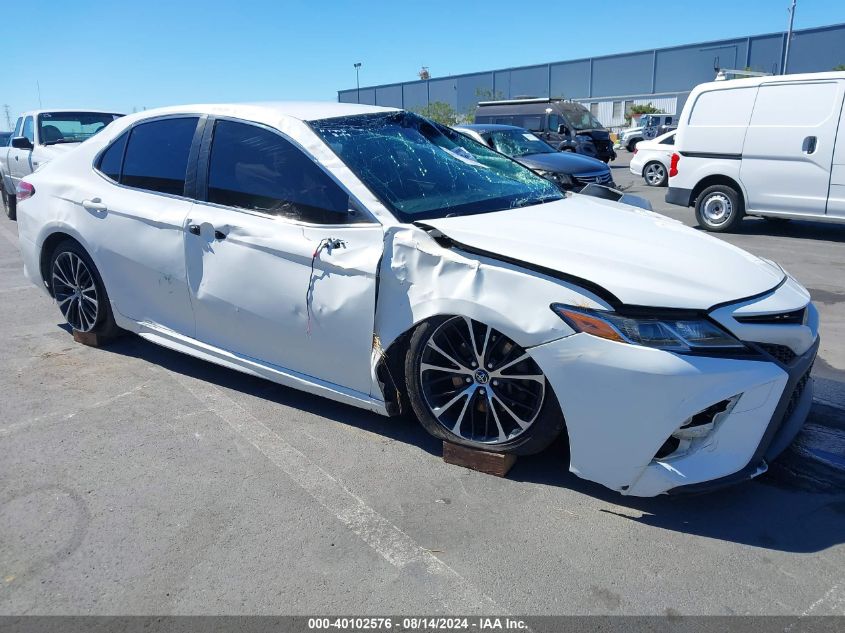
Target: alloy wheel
x,y
479,384
75,291
655,173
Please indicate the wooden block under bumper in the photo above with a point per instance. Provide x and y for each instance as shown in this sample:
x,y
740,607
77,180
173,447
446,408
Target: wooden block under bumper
x,y
484,461
87,338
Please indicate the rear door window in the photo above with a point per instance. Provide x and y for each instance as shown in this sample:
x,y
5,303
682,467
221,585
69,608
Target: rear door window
x,y
157,155
257,169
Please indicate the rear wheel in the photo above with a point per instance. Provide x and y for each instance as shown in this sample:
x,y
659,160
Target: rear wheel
x,y
655,174
719,208
632,144
79,290
9,204
472,385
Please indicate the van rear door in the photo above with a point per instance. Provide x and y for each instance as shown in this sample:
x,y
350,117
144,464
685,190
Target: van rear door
x,y
788,149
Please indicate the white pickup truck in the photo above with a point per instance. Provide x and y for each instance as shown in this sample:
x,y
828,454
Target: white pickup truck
x,y
39,136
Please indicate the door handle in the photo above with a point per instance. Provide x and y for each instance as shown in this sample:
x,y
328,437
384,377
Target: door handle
x,y
94,204
809,145
195,229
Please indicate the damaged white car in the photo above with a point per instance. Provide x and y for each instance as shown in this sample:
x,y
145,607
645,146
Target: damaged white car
x,y
376,258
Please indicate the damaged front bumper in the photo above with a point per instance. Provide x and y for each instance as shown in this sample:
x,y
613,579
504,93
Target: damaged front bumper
x,y
623,403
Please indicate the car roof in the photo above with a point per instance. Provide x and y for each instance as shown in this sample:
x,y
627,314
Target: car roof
x,y
52,110
487,127
269,111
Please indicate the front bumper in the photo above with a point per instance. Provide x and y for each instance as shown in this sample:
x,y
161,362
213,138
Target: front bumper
x,y
621,403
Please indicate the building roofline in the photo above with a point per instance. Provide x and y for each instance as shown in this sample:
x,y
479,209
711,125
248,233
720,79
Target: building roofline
x,y
740,38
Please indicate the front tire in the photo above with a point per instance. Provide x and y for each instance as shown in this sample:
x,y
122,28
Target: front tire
x,y
719,209
655,174
632,144
9,204
79,291
471,385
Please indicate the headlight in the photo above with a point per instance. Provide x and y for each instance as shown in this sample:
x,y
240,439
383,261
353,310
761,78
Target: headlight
x,y
666,333
556,177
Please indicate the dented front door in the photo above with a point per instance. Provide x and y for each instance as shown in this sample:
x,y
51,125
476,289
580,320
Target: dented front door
x,y
255,293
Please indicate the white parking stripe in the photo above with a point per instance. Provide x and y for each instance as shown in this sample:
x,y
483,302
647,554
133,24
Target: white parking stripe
x,y
456,593
831,603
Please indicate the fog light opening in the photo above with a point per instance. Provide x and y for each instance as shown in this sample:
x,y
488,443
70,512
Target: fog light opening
x,y
695,429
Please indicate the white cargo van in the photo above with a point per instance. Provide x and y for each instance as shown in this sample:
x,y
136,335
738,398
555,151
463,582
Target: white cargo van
x,y
766,146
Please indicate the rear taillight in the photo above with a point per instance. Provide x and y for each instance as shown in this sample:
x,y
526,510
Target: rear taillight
x,y
673,166
24,190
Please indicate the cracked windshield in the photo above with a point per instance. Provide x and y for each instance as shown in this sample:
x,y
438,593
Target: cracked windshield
x,y
421,170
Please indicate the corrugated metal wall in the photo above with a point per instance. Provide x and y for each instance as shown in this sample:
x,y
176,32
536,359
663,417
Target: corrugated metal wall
x,y
605,114
658,75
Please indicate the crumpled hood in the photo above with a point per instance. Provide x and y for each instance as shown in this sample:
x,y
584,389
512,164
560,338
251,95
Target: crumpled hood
x,y
564,162
641,257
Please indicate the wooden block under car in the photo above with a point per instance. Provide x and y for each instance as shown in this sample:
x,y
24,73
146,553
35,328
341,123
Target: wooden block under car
x,y
483,461
87,338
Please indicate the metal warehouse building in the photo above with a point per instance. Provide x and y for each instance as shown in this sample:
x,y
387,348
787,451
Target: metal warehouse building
x,y
610,84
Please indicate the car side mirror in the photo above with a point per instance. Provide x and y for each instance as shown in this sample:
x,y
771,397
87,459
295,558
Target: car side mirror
x,y
21,142
562,129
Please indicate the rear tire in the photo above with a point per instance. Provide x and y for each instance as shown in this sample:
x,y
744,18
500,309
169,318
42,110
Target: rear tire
x,y
632,144
79,291
719,209
10,206
655,174
501,404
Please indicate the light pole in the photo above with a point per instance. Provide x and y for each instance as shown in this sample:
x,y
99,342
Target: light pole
x,y
357,82
788,37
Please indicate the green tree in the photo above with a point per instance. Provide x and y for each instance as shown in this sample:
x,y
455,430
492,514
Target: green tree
x,y
439,111
641,109
839,67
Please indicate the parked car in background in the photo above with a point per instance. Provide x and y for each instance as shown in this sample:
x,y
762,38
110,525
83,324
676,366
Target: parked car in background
x,y
565,125
570,172
40,136
382,260
651,159
650,126
767,146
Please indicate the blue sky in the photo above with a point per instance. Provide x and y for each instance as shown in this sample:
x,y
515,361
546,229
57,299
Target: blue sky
x,y
148,53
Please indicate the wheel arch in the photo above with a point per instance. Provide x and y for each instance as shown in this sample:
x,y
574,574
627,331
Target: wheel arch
x,y
717,179
49,244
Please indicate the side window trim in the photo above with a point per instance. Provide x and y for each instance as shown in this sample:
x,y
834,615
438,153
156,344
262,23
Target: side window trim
x,y
202,174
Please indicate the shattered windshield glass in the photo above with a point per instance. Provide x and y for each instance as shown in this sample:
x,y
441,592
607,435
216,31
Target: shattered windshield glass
x,y
518,143
420,169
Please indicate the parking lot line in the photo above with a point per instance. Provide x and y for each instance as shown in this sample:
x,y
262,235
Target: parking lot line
x,y
391,543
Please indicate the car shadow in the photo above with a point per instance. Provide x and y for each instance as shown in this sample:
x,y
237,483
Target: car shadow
x,y
806,229
785,509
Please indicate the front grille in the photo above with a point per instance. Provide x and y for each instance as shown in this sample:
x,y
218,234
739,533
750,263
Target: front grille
x,y
780,352
600,179
795,396
795,317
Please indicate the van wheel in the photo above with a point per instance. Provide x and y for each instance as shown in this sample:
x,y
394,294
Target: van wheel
x,y
719,209
9,205
632,144
470,384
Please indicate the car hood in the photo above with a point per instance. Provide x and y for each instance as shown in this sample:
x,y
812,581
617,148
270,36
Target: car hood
x,y
565,162
642,258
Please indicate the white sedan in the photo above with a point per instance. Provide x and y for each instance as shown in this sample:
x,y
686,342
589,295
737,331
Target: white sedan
x,y
651,159
379,259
